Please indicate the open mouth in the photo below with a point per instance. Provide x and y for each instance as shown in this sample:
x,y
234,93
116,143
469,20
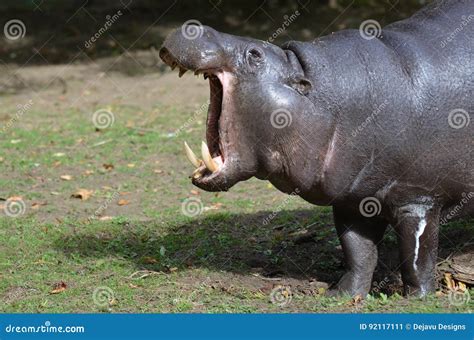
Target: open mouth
x,y
212,151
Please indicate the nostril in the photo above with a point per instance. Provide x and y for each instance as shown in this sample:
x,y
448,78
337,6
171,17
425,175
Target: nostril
x,y
254,53
255,56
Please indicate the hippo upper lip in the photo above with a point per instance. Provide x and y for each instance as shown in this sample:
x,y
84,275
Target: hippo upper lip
x,y
174,62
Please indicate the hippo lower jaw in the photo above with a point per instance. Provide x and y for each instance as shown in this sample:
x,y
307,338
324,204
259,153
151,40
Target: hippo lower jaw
x,y
218,167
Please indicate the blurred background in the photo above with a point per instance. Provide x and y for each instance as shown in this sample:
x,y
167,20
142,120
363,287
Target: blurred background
x,y
56,31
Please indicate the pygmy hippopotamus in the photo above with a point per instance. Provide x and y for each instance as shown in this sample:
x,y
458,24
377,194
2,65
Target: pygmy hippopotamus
x,y
375,126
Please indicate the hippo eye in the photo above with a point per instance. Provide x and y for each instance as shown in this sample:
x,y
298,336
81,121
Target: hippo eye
x,y
255,56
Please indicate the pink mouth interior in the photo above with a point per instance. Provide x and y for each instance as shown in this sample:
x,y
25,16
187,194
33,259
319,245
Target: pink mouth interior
x,y
214,141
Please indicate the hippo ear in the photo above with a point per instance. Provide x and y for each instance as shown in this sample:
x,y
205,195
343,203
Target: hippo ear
x,y
302,85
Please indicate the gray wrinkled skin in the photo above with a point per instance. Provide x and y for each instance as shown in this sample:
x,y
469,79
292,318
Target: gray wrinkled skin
x,y
361,125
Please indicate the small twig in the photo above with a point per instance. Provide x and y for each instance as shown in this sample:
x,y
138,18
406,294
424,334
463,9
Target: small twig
x,y
268,278
144,274
446,260
102,142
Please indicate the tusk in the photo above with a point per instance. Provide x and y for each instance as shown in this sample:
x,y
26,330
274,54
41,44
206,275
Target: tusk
x,y
191,156
182,71
207,158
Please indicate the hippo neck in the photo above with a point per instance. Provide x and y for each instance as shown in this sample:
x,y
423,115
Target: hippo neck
x,y
343,94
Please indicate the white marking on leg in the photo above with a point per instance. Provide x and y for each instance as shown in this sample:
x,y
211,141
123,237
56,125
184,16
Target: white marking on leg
x,y
420,212
419,232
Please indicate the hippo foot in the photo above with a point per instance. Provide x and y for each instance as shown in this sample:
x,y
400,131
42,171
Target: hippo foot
x,y
352,284
419,291
335,293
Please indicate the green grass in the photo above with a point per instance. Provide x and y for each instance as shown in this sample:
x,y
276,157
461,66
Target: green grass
x,y
194,265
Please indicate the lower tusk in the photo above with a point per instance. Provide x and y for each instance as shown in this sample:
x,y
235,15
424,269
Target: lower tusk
x,y
191,156
206,157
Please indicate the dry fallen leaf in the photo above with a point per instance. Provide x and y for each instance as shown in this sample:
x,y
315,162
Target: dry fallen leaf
x,y
15,198
59,288
130,165
105,218
214,206
37,205
454,285
83,194
107,166
88,172
123,202
449,281
66,177
356,300
158,171
194,192
149,260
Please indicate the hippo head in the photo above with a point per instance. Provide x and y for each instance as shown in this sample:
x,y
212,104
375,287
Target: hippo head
x,y
254,86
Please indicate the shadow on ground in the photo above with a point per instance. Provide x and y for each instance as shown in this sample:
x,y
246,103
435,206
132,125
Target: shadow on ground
x,y
298,244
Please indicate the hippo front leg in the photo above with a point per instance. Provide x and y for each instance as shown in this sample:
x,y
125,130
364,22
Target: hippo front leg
x,y
359,237
417,227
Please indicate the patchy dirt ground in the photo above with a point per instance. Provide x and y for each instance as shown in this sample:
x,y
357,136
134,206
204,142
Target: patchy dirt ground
x,y
103,207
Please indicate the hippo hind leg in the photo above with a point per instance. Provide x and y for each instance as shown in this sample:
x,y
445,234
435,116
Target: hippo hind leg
x,y
417,227
359,237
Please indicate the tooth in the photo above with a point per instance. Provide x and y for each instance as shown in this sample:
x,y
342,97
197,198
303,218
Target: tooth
x,y
196,173
182,71
207,158
206,76
191,156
